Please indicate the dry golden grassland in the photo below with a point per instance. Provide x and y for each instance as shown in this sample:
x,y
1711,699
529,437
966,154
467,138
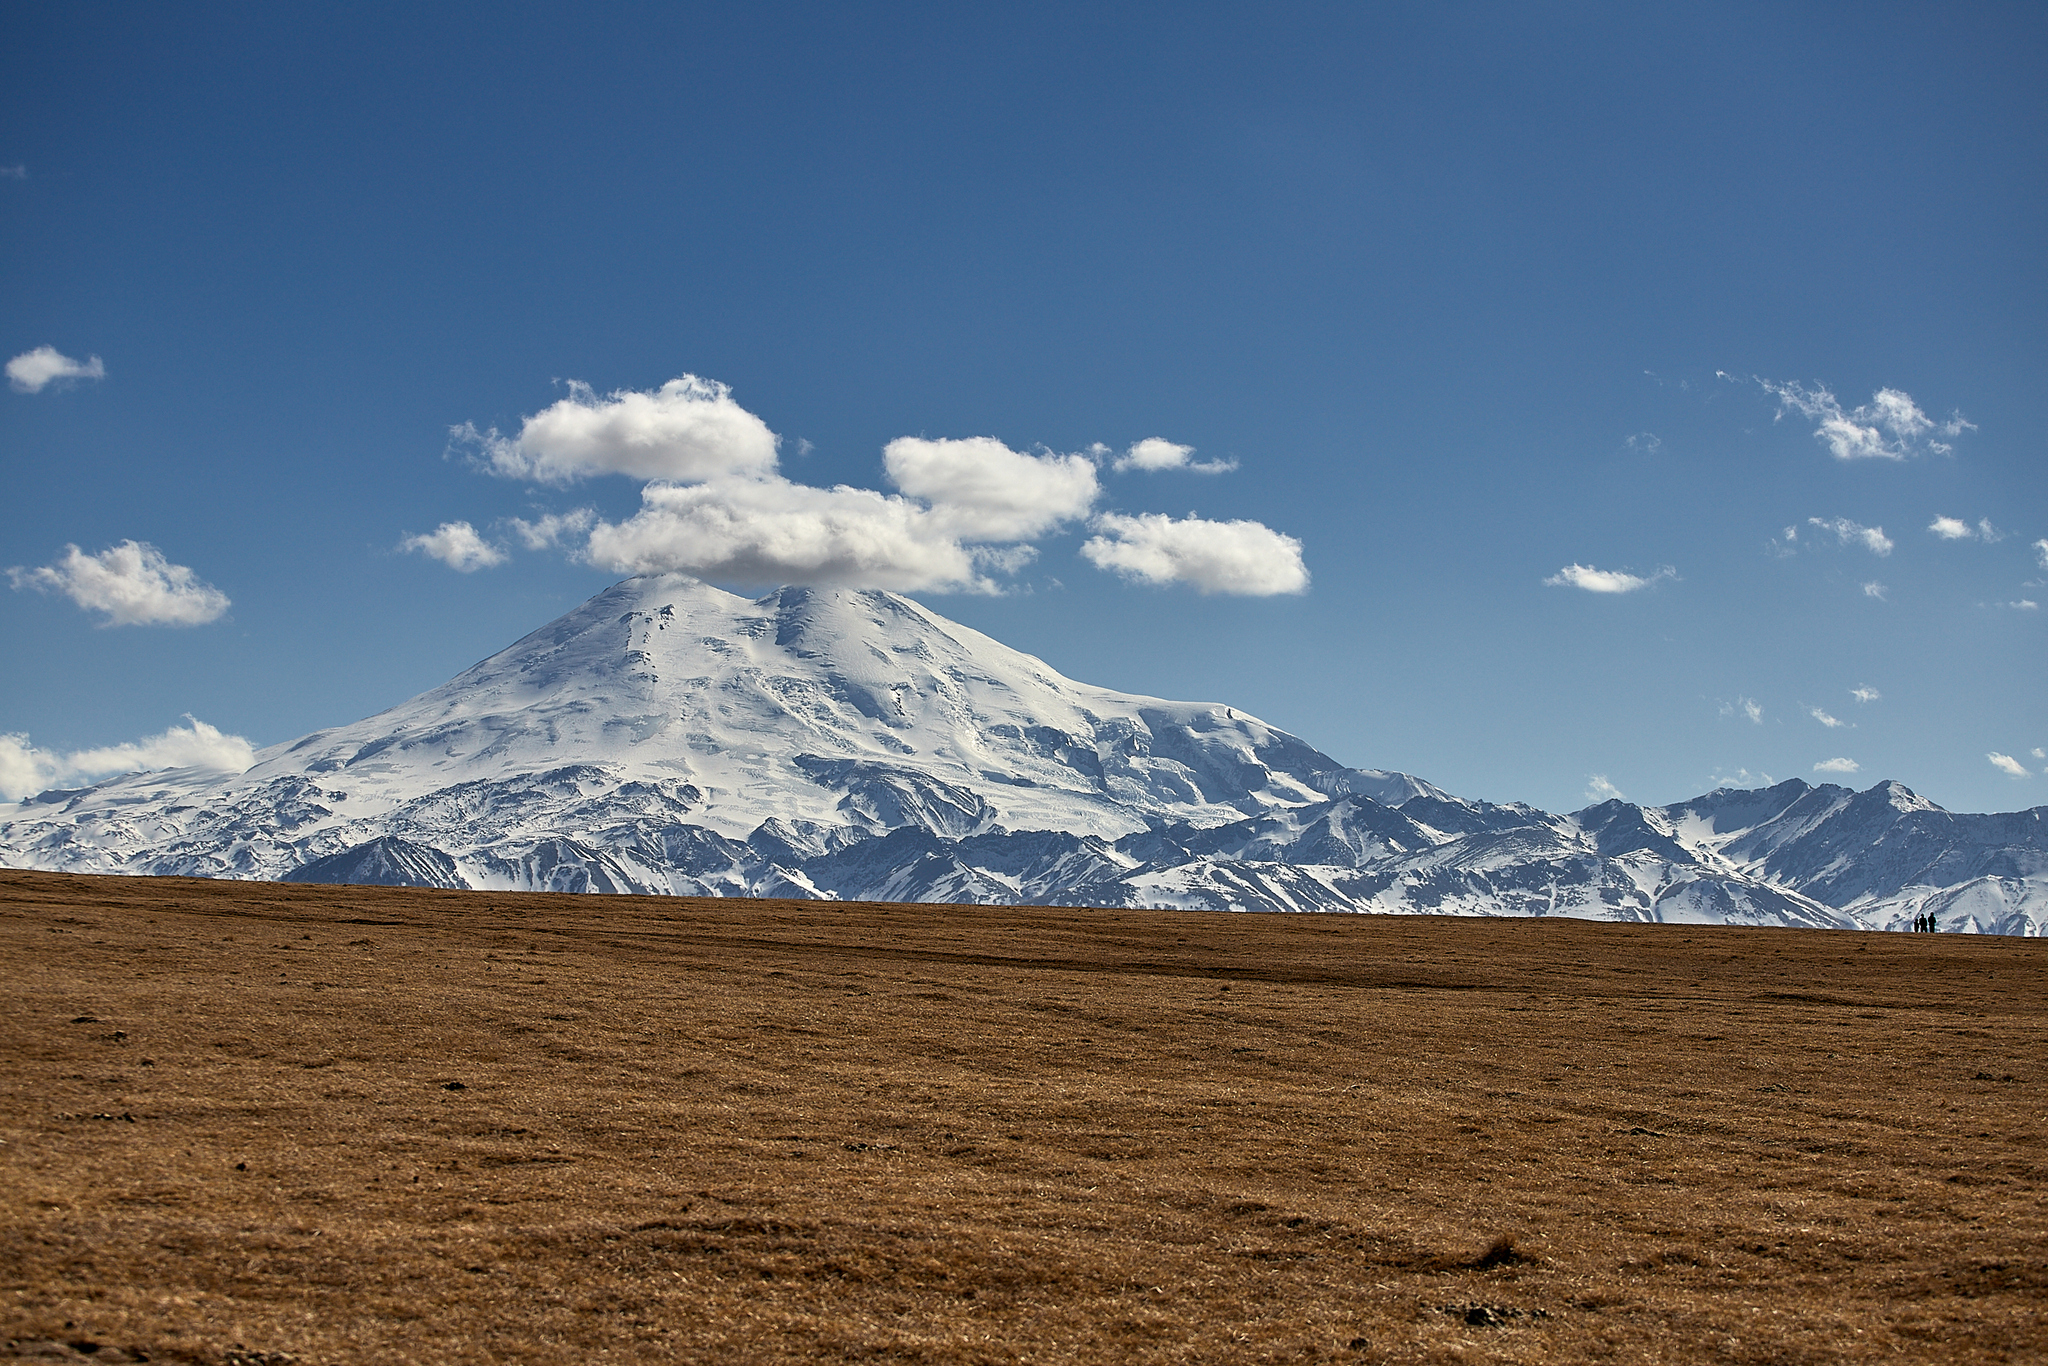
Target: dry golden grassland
x,y
247,1123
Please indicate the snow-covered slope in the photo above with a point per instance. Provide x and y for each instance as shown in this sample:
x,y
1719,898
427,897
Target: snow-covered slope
x,y
670,737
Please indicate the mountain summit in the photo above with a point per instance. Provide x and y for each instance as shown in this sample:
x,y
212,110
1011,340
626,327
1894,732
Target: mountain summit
x,y
670,737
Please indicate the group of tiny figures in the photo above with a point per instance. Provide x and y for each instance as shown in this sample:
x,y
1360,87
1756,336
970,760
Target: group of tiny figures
x,y
1924,924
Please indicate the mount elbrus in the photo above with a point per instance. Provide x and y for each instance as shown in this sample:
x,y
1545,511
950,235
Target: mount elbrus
x,y
668,737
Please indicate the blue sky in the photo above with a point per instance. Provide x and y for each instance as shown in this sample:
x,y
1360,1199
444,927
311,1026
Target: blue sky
x,y
1467,296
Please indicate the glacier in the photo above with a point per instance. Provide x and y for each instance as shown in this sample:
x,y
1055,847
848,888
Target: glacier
x,y
668,737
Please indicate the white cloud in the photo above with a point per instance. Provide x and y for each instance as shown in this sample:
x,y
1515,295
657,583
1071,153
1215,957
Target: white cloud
x,y
965,510
1830,722
1956,529
2007,765
1865,694
1837,766
2041,549
1874,589
14,172
1889,427
1871,538
1598,789
553,528
688,429
1741,777
1157,453
1748,706
457,545
2040,753
1604,580
1645,443
26,770
2022,605
1245,558
30,371
981,490
132,583
772,531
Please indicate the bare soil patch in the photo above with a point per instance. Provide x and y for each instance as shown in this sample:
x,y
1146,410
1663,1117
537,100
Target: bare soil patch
x,y
246,1123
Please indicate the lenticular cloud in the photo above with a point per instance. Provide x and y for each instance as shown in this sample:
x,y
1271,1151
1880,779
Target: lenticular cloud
x,y
964,516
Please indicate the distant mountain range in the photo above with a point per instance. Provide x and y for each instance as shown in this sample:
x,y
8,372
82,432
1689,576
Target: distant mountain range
x,y
667,737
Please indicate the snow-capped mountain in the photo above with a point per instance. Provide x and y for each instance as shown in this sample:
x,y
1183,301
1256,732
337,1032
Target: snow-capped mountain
x,y
669,737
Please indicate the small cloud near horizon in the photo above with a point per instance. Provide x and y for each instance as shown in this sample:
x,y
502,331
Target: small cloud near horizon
x,y
26,770
1598,789
1837,766
2008,765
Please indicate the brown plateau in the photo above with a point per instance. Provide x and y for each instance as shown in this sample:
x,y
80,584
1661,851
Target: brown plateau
x,y
250,1124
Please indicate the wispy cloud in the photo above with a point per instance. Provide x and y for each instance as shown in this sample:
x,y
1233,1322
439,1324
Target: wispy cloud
x,y
2007,765
1871,538
553,528
1747,706
1244,558
1830,722
33,371
457,545
1598,789
1837,766
1644,443
1605,580
2021,605
131,582
1156,453
1874,589
1865,694
14,172
1889,427
26,770
2041,552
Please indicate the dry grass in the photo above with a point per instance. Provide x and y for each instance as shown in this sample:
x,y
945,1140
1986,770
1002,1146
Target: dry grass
x,y
379,1125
